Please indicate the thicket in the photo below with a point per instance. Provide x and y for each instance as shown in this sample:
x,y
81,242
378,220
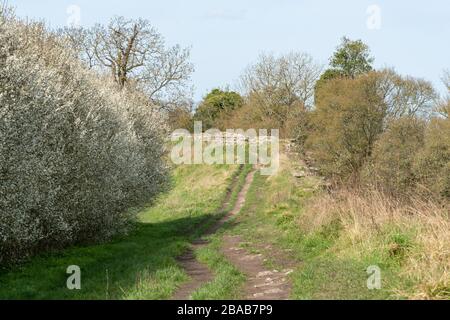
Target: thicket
x,y
381,132
379,129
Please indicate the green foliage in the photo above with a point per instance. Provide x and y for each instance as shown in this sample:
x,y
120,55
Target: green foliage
x,y
328,75
398,245
216,107
352,58
180,118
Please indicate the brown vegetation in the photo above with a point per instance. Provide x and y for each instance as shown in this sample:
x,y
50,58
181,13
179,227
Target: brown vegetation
x,y
370,222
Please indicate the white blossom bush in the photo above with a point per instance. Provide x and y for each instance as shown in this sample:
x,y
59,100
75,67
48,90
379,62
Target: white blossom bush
x,y
76,153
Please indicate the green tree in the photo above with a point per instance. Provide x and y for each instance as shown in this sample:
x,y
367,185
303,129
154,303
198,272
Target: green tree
x,y
352,58
216,107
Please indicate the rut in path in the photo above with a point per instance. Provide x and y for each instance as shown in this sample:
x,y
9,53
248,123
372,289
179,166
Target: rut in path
x,y
199,273
262,283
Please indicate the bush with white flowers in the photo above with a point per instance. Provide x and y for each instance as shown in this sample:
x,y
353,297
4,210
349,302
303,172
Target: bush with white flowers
x,y
76,153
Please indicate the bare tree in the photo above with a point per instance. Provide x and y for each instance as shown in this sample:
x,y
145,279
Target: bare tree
x,y
166,78
282,80
418,96
81,41
443,107
133,51
405,95
125,46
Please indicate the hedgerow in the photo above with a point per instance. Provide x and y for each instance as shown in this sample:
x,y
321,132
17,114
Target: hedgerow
x,y
76,153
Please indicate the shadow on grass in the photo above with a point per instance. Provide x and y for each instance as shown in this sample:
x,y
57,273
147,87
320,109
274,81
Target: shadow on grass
x,y
141,265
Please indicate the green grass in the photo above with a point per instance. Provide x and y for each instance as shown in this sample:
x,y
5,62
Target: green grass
x,y
141,265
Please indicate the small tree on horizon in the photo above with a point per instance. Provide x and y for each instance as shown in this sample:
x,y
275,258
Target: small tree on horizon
x,y
217,106
351,59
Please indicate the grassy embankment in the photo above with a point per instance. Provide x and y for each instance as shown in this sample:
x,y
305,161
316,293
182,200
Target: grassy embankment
x,y
141,265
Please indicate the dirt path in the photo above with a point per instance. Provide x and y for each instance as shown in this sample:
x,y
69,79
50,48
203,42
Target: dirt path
x,y
262,283
199,273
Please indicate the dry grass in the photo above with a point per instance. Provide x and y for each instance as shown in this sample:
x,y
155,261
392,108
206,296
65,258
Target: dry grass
x,y
418,231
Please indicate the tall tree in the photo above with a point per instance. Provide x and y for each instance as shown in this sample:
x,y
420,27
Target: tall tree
x,y
404,95
348,118
126,45
134,52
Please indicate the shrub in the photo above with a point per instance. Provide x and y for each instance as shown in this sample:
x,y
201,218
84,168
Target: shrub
x,y
347,121
297,127
75,153
432,163
180,118
253,115
292,121
391,166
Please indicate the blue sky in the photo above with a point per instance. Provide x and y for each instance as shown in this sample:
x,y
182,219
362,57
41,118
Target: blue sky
x,y
226,35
